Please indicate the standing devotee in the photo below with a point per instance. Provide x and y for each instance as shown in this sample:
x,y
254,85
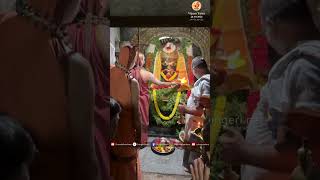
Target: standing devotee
x,y
293,83
125,90
201,87
144,77
86,36
193,110
49,89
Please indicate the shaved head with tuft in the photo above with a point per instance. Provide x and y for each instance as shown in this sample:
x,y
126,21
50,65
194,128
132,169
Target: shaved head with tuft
x,y
292,11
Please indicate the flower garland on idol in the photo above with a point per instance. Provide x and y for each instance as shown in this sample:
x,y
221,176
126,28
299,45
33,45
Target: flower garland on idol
x,y
166,118
169,79
183,86
176,94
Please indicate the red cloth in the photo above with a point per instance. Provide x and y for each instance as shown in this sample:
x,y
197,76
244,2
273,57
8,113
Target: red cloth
x,y
84,41
36,96
59,162
143,104
90,51
260,55
262,66
191,76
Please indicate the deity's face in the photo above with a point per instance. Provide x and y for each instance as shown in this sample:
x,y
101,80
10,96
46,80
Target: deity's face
x,y
169,47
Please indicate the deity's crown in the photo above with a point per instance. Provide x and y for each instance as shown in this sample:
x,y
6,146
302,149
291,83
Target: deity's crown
x,y
165,40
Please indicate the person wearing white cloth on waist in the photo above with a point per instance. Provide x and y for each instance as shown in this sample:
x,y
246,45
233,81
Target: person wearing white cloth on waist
x,y
193,110
201,88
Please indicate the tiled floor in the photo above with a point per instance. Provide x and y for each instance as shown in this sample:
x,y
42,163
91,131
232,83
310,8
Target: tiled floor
x,y
154,176
156,167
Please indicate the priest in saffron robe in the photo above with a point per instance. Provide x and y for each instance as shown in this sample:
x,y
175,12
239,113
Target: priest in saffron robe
x,y
48,88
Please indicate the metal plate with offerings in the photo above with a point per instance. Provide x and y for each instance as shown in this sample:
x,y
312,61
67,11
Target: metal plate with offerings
x,y
162,146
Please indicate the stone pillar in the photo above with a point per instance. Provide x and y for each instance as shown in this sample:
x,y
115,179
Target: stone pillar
x,y
150,52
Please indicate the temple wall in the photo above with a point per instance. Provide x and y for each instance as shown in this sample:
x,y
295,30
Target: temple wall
x,y
128,33
114,40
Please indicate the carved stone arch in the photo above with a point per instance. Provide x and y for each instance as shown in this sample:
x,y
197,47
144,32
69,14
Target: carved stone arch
x,y
200,36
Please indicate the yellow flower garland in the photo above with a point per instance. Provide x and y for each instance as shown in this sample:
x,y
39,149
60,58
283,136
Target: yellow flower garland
x,y
166,118
171,78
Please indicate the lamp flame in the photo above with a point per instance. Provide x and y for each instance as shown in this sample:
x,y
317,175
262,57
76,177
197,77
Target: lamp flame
x,y
183,81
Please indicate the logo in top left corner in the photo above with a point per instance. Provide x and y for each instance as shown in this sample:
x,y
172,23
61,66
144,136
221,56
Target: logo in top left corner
x,y
196,5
